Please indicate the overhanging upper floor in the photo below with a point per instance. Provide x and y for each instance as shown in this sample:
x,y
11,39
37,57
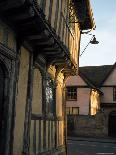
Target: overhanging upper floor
x,y
84,14
35,23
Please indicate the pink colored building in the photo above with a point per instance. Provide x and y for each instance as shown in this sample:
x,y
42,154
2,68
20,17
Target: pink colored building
x,y
93,90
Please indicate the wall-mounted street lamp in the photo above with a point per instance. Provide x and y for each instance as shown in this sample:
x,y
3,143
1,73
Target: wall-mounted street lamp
x,y
92,41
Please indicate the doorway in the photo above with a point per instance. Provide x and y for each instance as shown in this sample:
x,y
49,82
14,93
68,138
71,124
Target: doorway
x,y
112,124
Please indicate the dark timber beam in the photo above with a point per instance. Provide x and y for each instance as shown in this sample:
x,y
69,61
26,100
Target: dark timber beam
x,y
42,35
52,49
9,4
48,42
27,13
34,30
52,53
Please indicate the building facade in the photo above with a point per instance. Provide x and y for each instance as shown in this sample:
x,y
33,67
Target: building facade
x,y
39,48
83,98
92,96
108,101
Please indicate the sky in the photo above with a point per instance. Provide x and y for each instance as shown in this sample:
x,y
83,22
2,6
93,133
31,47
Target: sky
x,y
104,53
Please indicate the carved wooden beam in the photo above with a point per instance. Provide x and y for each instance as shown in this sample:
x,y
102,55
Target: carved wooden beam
x,y
52,49
52,53
35,37
48,42
35,31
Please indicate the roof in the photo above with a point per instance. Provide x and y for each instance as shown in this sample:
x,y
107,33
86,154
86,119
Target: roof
x,y
84,14
96,75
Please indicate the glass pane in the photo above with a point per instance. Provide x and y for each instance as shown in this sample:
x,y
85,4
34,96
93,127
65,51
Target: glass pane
x,y
75,110
49,96
67,111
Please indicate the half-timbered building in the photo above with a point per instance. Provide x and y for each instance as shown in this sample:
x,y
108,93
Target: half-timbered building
x,y
39,48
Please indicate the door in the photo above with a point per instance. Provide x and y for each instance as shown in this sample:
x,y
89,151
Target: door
x,y
112,124
2,122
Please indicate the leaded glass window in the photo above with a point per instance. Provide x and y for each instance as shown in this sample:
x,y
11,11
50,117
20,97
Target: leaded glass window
x,y
49,96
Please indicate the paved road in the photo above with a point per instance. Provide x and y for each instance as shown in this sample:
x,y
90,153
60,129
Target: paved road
x,y
90,148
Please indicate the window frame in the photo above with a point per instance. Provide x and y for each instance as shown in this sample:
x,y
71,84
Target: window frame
x,y
70,110
74,97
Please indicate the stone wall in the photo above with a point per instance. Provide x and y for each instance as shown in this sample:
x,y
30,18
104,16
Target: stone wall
x,y
88,126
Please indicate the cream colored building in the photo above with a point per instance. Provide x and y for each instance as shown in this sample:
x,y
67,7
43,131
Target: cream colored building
x,y
39,48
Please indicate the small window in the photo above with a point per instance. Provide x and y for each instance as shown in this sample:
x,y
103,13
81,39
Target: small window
x,y
72,110
114,93
71,93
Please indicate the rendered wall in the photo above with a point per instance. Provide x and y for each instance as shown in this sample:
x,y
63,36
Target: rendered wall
x,y
75,81
7,36
83,101
21,102
108,91
108,95
111,80
88,100
37,92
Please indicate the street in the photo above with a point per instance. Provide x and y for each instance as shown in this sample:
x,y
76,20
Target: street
x,y
76,147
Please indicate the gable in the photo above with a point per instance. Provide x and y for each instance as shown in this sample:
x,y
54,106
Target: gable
x,y
111,79
75,81
95,74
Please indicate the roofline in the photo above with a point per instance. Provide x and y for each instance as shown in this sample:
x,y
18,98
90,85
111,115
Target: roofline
x,y
113,66
89,83
84,14
93,26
